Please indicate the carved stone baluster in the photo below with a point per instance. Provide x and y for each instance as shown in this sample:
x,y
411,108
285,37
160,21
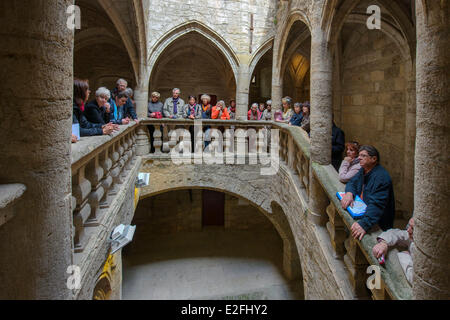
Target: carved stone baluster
x,y
106,164
81,187
229,146
336,229
298,164
143,141
95,173
157,140
356,264
115,171
172,141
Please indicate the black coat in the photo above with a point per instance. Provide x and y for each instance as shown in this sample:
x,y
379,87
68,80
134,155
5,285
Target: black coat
x,y
338,146
86,128
96,114
378,196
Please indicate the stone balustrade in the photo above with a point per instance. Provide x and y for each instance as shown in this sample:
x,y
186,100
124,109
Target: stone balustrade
x,y
100,165
294,152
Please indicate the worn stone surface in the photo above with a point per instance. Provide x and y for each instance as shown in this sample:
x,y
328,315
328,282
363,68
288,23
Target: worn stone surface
x,y
432,259
37,62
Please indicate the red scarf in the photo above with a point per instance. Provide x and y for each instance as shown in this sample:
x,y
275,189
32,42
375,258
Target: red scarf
x,y
82,107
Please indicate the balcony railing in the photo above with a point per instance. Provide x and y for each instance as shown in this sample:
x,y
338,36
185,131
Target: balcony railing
x,y
101,164
294,153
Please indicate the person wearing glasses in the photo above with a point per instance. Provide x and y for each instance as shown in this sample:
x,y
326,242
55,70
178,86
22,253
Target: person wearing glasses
x,y
350,166
397,238
373,185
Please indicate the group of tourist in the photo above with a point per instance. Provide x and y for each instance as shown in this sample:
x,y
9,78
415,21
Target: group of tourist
x,y
104,114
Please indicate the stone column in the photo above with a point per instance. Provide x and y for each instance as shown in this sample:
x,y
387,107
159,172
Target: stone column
x,y
432,184
321,98
321,123
277,91
242,87
35,128
141,98
277,81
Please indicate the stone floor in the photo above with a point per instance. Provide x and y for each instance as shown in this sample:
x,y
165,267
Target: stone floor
x,y
211,264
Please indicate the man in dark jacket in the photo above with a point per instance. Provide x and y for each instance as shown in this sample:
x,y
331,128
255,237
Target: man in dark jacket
x,y
128,108
374,186
338,146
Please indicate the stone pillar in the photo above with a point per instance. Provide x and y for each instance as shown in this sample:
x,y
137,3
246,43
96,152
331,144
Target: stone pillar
x,y
321,98
277,92
37,60
321,123
242,86
432,184
141,98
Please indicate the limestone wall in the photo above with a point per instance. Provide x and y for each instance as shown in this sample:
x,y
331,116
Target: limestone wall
x,y
230,19
178,211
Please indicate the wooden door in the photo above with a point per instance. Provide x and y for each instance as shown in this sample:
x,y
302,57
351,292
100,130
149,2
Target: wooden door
x,y
213,208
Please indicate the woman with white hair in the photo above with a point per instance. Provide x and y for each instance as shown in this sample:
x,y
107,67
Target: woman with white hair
x,y
220,111
206,106
287,110
99,110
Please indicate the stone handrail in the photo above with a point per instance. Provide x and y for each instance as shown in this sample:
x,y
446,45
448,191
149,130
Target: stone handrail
x,y
9,195
99,167
295,153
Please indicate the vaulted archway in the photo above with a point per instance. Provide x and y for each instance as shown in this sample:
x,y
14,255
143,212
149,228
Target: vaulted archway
x,y
196,60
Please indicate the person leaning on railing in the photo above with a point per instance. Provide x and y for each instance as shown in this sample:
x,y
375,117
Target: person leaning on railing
x,y
287,110
297,116
129,109
80,97
174,106
220,111
253,113
155,107
99,110
398,238
350,166
374,186
267,115
232,109
118,106
306,122
192,110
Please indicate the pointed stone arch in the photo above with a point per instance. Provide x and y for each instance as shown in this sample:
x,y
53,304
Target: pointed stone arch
x,y
132,48
200,28
295,16
259,54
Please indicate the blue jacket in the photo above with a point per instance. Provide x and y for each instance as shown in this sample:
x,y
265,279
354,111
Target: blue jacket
x,y
378,196
296,119
117,113
86,128
128,107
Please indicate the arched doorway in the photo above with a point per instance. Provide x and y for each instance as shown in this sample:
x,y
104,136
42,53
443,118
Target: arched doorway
x,y
295,63
175,256
196,65
261,79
